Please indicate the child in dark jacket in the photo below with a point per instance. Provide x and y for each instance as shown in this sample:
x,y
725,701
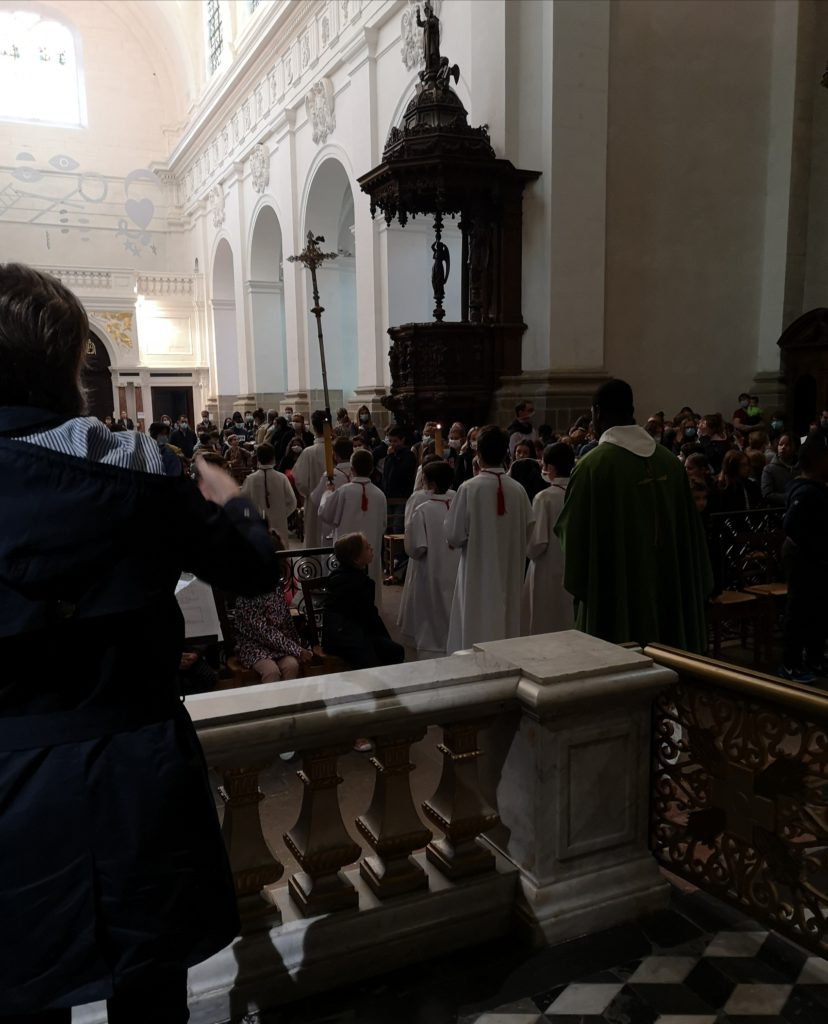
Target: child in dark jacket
x,y
805,554
352,628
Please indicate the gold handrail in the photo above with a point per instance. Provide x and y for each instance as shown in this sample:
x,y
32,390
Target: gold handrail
x,y
809,700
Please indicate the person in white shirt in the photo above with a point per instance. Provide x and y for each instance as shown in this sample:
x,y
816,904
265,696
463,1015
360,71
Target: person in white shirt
x,y
547,607
432,566
358,507
490,520
419,495
306,473
270,492
342,449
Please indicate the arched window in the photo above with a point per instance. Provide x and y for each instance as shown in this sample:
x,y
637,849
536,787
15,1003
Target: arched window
x,y
215,35
40,73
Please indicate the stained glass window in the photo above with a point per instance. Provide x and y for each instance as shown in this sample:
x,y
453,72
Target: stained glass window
x,y
215,40
40,74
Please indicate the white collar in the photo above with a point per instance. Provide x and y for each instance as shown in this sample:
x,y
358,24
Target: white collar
x,y
633,438
360,480
492,469
319,440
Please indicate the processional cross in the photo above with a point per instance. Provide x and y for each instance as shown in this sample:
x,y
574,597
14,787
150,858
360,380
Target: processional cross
x,y
312,257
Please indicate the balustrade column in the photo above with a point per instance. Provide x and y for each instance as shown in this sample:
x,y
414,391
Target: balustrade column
x,y
391,824
458,807
319,840
251,859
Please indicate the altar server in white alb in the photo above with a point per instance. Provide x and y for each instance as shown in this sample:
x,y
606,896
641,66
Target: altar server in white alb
x,y
342,449
306,473
432,566
418,496
547,607
358,507
270,491
489,521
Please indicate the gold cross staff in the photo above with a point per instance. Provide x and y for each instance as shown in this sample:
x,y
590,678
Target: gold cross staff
x,y
313,257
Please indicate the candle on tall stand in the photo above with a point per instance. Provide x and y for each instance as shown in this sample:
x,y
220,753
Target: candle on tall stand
x,y
312,257
438,441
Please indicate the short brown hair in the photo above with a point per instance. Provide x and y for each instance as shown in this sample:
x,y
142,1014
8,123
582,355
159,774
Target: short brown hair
x,y
43,331
266,454
362,462
348,548
440,474
343,448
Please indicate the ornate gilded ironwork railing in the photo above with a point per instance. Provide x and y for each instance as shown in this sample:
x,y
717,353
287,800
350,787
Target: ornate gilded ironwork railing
x,y
739,800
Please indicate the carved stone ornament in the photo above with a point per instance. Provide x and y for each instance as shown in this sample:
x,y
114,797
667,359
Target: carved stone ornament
x,y
412,36
260,167
118,325
216,199
319,104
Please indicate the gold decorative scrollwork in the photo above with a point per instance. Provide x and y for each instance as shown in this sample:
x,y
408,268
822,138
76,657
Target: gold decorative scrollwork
x,y
740,806
118,326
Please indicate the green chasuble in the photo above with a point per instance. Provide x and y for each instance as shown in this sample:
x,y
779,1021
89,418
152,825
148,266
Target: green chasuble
x,y
635,554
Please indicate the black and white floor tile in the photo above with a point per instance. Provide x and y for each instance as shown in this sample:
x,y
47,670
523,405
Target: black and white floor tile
x,y
727,977
698,962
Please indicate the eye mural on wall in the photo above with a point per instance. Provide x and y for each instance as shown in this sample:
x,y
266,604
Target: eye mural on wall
x,y
60,195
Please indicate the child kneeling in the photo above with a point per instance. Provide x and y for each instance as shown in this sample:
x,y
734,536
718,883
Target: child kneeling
x,y
352,628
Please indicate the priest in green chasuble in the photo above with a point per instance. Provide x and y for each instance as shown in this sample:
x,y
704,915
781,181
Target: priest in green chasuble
x,y
635,555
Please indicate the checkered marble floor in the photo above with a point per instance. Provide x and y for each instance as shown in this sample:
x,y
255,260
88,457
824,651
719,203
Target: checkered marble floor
x,y
696,962
737,976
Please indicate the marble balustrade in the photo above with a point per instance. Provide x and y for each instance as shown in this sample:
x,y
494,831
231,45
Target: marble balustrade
x,y
538,820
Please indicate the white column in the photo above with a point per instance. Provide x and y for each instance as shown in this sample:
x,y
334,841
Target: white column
x,y
778,183
371,273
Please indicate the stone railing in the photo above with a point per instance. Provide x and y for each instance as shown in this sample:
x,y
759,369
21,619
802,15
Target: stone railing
x,y
508,787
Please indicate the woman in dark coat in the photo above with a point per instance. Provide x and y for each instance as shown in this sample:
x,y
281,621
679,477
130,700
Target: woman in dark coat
x,y
113,876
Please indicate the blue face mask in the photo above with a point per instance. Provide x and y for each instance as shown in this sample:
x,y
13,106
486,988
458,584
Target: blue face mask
x,y
777,424
689,431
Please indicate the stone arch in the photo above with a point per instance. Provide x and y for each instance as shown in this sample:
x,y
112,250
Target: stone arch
x,y
223,302
265,291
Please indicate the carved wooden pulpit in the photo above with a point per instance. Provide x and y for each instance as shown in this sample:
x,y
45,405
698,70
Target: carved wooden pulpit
x,y
435,164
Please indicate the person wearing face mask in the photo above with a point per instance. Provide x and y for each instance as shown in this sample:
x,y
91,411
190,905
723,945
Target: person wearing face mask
x,y
160,433
547,607
296,432
184,437
521,429
425,446
365,426
780,472
206,424
454,444
463,465
777,426
739,419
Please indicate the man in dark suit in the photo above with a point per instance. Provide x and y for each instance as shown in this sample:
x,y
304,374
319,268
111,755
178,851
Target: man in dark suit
x,y
184,437
125,423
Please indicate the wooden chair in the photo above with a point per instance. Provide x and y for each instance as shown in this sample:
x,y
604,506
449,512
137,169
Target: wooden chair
x,y
322,663
234,673
733,605
393,543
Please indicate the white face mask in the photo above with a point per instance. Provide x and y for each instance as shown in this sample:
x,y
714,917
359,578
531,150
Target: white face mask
x,y
455,443
473,445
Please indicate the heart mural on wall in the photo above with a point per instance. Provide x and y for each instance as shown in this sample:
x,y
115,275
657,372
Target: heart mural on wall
x,y
140,211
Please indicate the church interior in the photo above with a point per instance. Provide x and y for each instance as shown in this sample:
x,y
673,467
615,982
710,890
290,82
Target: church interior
x,y
320,237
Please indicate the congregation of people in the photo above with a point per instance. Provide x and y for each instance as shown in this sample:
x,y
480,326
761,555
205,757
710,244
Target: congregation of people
x,y
495,543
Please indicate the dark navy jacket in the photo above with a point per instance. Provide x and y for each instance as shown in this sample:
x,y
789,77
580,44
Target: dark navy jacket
x,y
111,860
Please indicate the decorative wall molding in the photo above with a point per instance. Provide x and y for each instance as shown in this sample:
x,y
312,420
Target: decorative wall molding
x,y
315,34
165,284
216,199
260,167
319,104
86,280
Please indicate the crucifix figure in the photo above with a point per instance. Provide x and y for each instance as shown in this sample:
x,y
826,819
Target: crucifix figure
x,y
312,257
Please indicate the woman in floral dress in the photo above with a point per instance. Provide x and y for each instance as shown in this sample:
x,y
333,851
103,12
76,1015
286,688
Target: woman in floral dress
x,y
266,639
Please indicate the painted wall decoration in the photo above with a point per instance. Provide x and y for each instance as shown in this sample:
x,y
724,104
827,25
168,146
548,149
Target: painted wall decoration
x,y
61,196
